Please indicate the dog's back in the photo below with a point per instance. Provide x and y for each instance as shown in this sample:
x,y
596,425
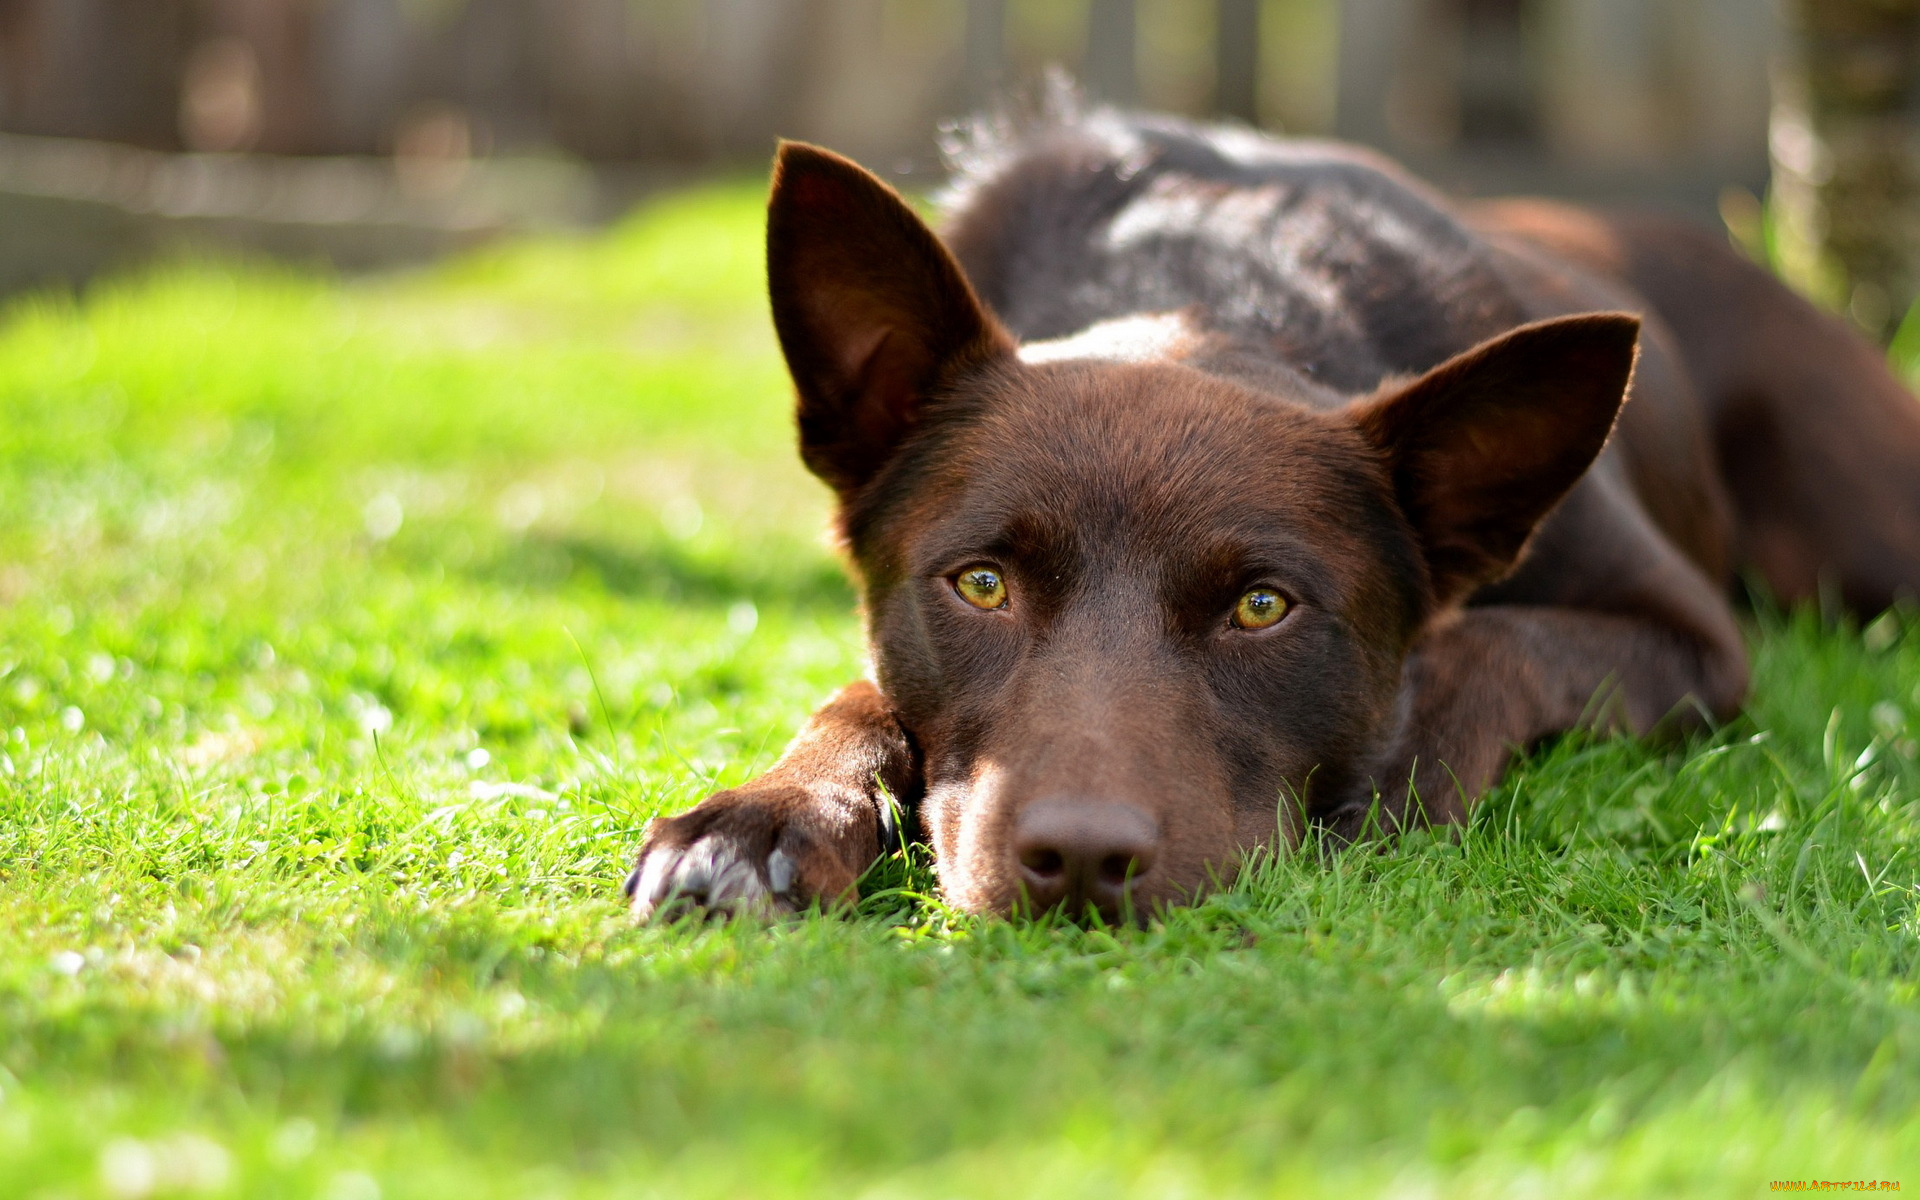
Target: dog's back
x,y
1318,253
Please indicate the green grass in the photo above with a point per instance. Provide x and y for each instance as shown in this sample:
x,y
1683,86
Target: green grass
x,y
349,635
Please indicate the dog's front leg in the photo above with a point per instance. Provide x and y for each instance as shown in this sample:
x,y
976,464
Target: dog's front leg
x,y
1489,681
804,831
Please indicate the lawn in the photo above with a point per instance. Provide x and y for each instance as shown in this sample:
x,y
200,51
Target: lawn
x,y
351,632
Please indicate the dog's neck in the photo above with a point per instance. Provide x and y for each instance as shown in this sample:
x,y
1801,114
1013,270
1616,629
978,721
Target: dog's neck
x,y
1136,338
1184,337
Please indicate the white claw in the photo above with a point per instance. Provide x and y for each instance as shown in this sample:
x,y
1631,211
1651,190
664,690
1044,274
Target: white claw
x,y
712,874
780,872
693,875
734,885
652,882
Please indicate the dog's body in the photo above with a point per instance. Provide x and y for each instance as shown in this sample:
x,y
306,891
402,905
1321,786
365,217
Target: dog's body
x,y
1246,484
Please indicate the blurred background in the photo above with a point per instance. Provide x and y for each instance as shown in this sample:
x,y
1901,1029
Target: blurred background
x,y
366,132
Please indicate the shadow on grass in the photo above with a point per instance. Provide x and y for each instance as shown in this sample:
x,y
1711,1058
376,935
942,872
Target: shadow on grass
x,y
685,1053
669,572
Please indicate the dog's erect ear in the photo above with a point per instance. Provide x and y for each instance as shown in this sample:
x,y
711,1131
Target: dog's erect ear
x,y
1484,445
872,311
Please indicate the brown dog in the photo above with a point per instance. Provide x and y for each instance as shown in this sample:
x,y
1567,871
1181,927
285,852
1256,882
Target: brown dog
x,y
1202,485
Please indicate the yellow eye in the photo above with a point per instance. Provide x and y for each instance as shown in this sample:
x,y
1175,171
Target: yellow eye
x,y
1260,608
981,587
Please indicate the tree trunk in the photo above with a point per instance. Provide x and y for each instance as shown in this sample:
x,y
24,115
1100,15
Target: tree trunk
x,y
1846,156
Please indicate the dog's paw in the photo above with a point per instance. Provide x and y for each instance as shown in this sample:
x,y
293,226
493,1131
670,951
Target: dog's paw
x,y
738,853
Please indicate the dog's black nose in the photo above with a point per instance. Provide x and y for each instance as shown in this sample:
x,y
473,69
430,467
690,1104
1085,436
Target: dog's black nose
x,y
1083,854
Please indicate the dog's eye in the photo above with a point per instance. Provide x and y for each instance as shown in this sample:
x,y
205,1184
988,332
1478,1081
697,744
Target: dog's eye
x,y
1260,608
981,587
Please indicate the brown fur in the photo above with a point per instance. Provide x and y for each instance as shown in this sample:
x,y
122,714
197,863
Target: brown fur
x,y
1312,378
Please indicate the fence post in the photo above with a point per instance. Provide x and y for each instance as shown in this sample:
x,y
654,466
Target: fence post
x,y
97,68
986,49
1236,60
1110,68
1372,39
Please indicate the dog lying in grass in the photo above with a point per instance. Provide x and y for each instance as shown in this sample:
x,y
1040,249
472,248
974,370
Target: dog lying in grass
x,y
1202,487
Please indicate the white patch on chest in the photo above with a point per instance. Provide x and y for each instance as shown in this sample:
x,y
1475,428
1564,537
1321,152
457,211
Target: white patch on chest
x,y
1142,337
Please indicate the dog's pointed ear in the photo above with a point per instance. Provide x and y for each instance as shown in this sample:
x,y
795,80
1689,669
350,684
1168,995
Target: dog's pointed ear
x,y
1483,446
872,311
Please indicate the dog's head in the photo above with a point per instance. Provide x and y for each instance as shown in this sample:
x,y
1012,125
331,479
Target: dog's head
x,y
1139,617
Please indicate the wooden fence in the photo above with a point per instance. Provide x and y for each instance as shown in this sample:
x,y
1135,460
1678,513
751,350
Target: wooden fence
x,y
1638,85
